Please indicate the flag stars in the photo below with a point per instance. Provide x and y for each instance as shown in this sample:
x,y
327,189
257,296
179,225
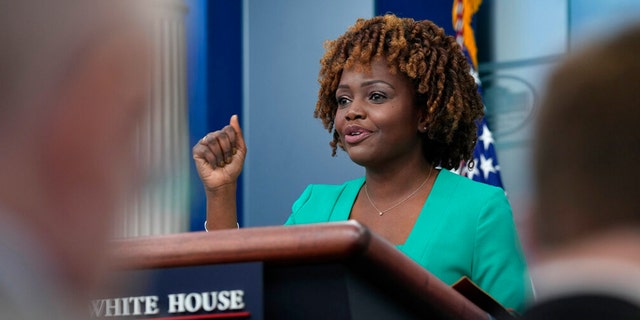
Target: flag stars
x,y
486,137
487,167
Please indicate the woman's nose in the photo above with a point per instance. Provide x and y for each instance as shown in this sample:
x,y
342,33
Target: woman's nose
x,y
354,111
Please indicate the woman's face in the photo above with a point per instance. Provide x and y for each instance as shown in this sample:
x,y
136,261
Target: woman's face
x,y
376,117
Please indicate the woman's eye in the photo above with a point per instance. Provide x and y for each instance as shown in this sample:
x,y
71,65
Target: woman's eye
x,y
342,101
377,97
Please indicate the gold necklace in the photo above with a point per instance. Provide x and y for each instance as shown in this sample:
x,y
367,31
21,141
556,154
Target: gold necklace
x,y
381,212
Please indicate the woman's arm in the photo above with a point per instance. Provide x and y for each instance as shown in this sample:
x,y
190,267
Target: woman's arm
x,y
219,158
499,263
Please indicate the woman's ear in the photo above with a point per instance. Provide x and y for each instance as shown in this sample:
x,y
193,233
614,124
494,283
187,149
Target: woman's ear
x,y
423,121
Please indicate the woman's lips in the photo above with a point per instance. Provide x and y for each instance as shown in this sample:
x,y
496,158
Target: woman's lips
x,y
355,134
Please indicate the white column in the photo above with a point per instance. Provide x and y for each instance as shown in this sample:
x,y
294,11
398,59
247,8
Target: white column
x,y
162,206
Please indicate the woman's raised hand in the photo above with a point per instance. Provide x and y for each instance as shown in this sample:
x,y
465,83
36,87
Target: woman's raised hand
x,y
219,156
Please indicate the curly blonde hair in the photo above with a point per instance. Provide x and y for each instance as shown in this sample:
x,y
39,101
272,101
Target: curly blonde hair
x,y
438,69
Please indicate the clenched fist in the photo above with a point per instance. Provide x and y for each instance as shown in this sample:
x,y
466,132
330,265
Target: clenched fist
x,y
219,156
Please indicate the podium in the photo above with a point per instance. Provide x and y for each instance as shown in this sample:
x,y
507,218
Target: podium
x,y
338,270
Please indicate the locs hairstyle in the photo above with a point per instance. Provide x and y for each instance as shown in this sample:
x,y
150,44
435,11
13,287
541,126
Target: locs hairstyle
x,y
438,69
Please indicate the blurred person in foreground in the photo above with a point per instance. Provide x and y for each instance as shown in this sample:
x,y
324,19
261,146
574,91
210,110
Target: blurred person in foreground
x,y
586,225
73,83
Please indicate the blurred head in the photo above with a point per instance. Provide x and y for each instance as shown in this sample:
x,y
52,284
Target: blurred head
x,y
587,144
72,91
445,92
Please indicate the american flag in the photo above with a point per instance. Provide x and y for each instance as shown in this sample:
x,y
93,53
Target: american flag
x,y
486,168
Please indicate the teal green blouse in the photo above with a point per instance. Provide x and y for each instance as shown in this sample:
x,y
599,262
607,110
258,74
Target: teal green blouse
x,y
465,228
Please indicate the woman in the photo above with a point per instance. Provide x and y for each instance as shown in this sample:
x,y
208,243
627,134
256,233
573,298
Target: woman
x,y
398,97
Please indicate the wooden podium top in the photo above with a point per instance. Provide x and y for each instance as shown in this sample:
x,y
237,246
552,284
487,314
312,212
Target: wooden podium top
x,y
348,242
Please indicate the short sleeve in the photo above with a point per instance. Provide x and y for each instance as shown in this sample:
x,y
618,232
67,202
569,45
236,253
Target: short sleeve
x,y
499,265
299,203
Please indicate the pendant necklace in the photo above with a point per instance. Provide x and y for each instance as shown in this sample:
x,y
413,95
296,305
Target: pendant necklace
x,y
381,212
